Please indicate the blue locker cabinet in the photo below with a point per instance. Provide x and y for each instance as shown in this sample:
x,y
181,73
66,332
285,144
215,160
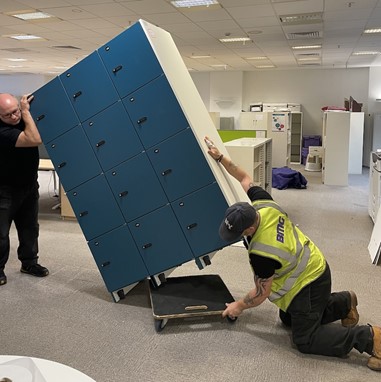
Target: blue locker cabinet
x,y
155,112
124,129
89,87
108,132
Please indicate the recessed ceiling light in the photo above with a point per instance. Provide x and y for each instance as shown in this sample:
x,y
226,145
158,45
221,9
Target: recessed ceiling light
x,y
318,46
374,30
193,3
32,15
235,39
17,59
25,37
257,58
308,59
200,56
265,66
365,53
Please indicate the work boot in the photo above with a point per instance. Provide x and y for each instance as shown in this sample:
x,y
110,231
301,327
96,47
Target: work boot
x,y
353,315
374,362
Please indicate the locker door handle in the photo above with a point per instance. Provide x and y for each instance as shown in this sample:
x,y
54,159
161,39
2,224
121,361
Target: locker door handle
x,y
123,193
77,94
101,143
116,69
63,164
193,225
145,246
166,172
40,117
84,213
141,120
105,264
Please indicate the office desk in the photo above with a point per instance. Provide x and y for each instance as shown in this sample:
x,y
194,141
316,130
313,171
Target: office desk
x,y
47,165
27,369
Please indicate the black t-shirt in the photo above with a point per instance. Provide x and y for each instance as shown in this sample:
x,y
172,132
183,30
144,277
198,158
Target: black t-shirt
x,y
18,165
262,266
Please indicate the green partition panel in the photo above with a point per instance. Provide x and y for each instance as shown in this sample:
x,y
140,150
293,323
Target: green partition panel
x,y
229,135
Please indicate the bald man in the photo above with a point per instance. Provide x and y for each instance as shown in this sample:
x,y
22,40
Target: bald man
x,y
19,140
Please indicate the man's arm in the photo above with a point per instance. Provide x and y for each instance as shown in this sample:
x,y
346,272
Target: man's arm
x,y
254,298
30,137
235,171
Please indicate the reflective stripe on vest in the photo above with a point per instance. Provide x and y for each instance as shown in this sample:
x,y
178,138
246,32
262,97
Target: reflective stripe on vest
x,y
302,253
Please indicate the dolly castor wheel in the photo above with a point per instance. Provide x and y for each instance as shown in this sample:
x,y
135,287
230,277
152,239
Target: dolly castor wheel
x,y
121,294
160,324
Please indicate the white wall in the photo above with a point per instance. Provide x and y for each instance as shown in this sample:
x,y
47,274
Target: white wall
x,y
312,88
224,94
20,84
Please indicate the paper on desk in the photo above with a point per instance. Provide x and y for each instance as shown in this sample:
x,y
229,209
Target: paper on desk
x,y
21,370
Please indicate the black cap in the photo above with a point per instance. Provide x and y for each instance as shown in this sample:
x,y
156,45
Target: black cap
x,y
238,217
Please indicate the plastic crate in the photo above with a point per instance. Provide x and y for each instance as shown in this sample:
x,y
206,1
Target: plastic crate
x,y
311,140
304,155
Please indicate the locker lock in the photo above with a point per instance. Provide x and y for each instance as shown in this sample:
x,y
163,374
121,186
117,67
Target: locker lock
x,y
141,120
84,213
166,172
63,164
76,95
40,117
123,193
100,143
105,264
190,226
116,69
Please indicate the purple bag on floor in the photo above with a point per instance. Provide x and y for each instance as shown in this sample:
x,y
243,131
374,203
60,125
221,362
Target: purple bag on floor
x,y
285,177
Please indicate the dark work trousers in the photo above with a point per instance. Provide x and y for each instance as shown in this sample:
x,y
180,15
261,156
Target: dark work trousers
x,y
19,205
311,315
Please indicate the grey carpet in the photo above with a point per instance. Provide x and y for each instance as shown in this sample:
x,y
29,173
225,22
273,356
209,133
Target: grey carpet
x,y
69,317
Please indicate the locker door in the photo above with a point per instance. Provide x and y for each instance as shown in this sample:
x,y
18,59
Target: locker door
x,y
73,158
136,187
112,136
200,215
180,165
95,207
155,112
118,259
52,111
89,87
130,60
160,240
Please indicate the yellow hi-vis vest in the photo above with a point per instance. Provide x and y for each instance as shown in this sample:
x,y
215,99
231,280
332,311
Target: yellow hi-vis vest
x,y
279,239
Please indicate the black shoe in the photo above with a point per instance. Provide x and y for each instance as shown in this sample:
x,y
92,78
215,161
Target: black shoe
x,y
3,278
35,270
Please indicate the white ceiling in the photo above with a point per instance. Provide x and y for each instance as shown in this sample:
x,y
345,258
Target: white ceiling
x,y
82,26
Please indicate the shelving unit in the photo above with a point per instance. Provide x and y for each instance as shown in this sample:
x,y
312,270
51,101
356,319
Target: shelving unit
x,y
374,184
335,141
296,137
254,155
342,146
283,127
